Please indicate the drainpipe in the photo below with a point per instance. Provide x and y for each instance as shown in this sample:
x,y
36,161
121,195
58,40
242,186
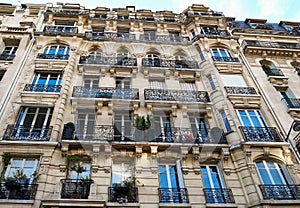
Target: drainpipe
x,y
12,86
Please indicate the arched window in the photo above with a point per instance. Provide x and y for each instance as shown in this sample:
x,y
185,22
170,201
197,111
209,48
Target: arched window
x,y
55,52
94,57
296,65
222,55
151,60
270,68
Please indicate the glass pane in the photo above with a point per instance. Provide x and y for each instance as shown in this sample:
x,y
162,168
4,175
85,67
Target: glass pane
x,y
244,118
205,177
255,120
173,177
215,177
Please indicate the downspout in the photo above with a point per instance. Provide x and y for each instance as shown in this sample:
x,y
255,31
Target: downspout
x,y
15,77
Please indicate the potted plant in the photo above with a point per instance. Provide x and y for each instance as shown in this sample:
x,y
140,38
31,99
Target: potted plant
x,y
15,182
125,190
142,123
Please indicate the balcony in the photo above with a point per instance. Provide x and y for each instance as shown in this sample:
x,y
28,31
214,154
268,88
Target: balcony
x,y
169,63
18,191
106,92
292,102
42,88
110,36
100,60
123,194
280,192
268,45
260,134
21,133
7,57
52,56
173,195
225,59
218,196
75,189
216,32
241,90
60,30
171,39
176,95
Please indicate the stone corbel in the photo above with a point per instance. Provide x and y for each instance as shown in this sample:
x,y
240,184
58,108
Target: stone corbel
x,y
99,108
184,152
62,168
153,151
196,153
64,149
287,156
138,151
107,169
252,168
225,158
184,111
198,76
135,109
266,151
74,107
110,109
149,109
248,154
174,110
95,168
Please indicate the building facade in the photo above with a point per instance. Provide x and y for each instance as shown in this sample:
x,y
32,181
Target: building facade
x,y
133,108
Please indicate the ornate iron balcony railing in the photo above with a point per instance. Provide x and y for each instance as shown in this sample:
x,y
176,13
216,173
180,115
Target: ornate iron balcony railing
x,y
164,38
100,60
260,134
42,88
96,133
13,132
176,95
123,194
173,195
170,63
75,189
225,59
52,56
18,191
218,196
110,36
292,102
60,29
280,192
106,92
216,32
241,90
267,44
7,57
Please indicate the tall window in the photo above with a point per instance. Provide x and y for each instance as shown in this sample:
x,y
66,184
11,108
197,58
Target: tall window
x,y
158,84
27,165
162,128
56,52
225,121
86,125
211,83
250,118
188,85
152,60
233,80
123,90
209,30
94,57
2,72
289,99
120,173
33,122
86,174
8,53
198,127
171,184
46,82
123,126
220,54
90,86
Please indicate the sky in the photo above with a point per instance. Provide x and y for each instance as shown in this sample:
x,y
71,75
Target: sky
x,y
272,10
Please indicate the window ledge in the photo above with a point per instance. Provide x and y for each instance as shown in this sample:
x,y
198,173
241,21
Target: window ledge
x,y
16,201
115,204
177,205
221,205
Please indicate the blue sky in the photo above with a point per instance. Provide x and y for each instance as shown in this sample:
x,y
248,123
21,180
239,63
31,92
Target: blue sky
x,y
272,10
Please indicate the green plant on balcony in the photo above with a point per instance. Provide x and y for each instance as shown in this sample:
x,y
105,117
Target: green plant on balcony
x,y
14,182
142,123
125,189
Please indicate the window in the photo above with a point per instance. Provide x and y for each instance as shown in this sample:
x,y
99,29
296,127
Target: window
x,y
86,174
289,99
123,90
90,87
86,125
94,57
270,69
28,165
250,118
120,173
233,80
123,126
158,84
152,60
149,34
220,54
2,72
198,127
214,187
277,183
46,82
33,123
171,184
56,52
225,121
211,83
162,128
209,30
8,53
188,85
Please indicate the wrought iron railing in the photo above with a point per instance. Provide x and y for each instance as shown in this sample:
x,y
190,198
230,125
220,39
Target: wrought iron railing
x,y
75,189
164,38
60,11
110,36
60,29
267,44
218,196
95,133
7,57
292,102
42,88
18,191
13,132
170,63
216,32
106,92
173,195
176,95
52,56
260,134
280,192
123,194
241,90
225,59
100,60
